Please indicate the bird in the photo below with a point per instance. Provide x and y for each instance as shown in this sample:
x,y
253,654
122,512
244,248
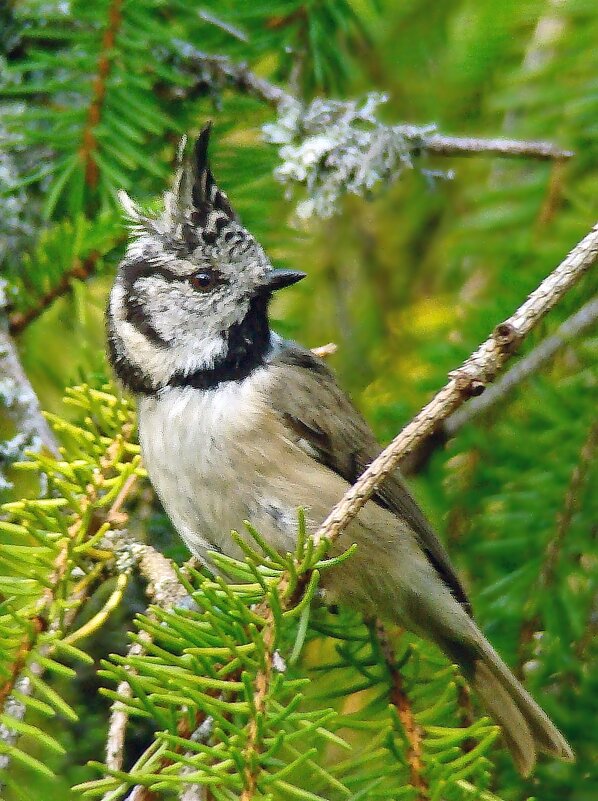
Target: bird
x,y
238,424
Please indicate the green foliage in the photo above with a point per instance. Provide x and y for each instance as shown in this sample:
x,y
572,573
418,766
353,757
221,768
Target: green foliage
x,y
50,563
73,249
104,109
407,286
202,665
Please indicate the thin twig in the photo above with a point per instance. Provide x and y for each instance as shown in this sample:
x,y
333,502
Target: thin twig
x,y
165,590
579,322
400,700
191,791
221,68
575,325
82,270
444,145
468,380
94,114
239,76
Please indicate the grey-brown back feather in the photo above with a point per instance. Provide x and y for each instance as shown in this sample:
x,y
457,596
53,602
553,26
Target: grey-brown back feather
x,y
309,399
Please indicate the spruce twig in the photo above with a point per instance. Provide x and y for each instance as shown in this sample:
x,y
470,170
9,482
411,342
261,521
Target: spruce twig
x,y
94,114
39,622
81,270
400,700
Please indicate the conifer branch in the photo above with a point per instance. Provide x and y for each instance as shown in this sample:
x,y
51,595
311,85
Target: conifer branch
x,y
262,685
573,326
467,381
82,270
94,115
39,621
400,700
21,684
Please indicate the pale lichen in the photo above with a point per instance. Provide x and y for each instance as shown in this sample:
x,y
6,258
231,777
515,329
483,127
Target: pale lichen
x,y
333,147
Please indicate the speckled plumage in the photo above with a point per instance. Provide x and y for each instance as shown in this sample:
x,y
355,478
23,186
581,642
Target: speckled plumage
x,y
235,424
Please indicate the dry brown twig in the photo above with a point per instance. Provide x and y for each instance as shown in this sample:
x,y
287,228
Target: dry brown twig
x,y
579,322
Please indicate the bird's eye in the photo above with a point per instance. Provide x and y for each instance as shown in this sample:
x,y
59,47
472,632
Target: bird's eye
x,y
203,281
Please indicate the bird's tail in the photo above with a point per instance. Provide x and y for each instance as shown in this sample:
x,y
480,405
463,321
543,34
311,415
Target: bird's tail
x,y
527,729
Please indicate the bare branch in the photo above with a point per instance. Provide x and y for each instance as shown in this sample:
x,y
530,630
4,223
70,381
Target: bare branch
x,y
580,321
445,145
165,590
217,69
468,380
575,325
119,716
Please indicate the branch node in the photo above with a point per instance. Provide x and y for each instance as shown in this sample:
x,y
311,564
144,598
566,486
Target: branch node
x,y
507,337
467,381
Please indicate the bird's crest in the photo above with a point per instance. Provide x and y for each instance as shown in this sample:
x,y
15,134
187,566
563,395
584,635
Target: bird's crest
x,y
195,209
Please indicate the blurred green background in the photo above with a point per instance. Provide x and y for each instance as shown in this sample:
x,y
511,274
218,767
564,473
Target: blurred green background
x,y
406,283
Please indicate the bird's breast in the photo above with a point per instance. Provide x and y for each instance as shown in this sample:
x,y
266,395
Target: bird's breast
x,y
214,458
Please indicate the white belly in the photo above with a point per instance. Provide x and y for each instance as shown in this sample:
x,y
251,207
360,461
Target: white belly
x,y
209,455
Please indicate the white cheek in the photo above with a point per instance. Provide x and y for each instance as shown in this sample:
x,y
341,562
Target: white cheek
x,y
192,348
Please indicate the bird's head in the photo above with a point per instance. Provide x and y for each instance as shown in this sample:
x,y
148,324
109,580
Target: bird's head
x,y
190,299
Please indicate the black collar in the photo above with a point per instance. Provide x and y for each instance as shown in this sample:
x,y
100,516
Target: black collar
x,y
248,342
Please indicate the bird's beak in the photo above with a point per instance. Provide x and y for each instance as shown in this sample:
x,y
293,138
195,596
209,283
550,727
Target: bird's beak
x,y
278,279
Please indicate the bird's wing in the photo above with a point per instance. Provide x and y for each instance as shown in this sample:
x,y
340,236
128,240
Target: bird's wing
x,y
306,395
